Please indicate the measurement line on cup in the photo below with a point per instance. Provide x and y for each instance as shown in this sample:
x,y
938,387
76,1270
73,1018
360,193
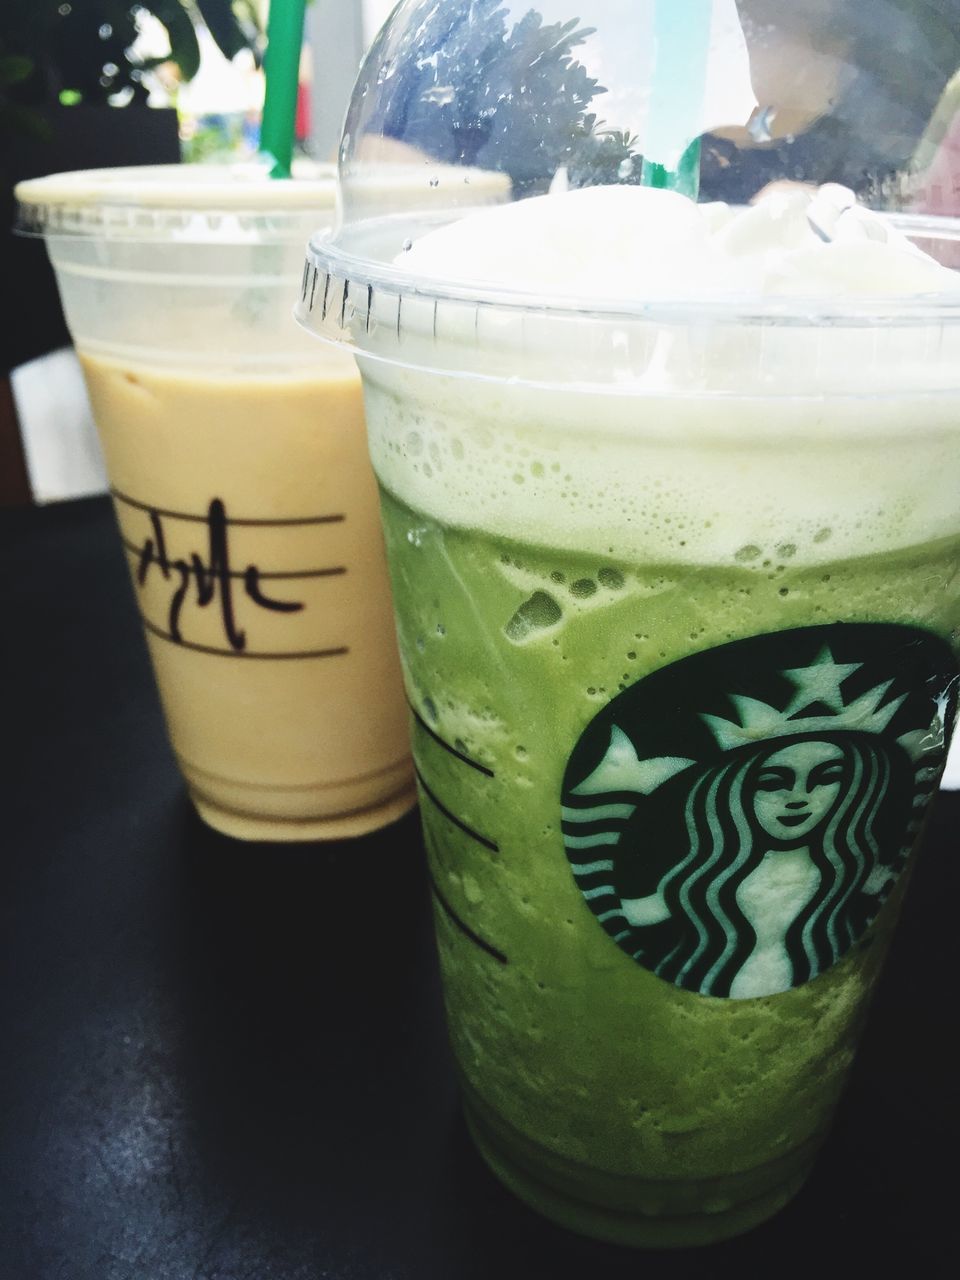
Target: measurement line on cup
x,y
335,518
333,572
465,928
154,630
474,764
452,817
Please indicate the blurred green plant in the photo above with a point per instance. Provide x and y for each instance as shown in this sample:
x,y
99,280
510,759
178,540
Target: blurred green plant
x,y
73,51
214,139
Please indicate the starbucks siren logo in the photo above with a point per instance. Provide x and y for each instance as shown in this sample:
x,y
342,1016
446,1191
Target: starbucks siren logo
x,y
736,821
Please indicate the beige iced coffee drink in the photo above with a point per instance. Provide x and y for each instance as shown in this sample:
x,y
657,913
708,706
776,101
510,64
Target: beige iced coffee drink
x,y
260,578
237,462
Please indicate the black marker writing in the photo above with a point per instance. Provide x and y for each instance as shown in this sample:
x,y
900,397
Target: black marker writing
x,y
212,577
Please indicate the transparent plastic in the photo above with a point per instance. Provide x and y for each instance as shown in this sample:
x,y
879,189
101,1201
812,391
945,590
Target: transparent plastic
x,y
618,91
461,106
182,264
184,202
594,484
247,510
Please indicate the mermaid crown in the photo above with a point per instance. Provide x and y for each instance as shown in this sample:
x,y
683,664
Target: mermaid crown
x,y
818,685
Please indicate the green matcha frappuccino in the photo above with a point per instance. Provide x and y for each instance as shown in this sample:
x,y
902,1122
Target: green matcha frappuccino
x,y
677,608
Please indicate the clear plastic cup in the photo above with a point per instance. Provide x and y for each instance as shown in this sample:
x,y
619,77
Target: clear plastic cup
x,y
673,552
247,509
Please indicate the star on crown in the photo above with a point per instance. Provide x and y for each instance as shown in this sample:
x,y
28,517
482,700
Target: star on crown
x,y
815,685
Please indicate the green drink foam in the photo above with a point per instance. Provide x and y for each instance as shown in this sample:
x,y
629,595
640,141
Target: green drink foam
x,y
673,536
611,1099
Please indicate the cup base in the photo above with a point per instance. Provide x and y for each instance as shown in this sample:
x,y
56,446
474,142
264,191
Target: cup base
x,y
337,826
632,1228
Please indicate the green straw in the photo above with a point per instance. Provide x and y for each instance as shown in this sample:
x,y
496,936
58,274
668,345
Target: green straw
x,y
681,33
282,70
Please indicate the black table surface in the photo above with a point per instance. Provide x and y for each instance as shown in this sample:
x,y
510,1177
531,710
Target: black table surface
x,y
207,1072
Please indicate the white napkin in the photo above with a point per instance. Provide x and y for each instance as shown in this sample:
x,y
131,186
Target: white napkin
x,y
56,428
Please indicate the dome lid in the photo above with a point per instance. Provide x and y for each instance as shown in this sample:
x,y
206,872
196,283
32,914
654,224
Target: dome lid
x,y
832,118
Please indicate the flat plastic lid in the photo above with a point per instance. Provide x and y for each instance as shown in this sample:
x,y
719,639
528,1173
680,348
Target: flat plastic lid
x,y
153,197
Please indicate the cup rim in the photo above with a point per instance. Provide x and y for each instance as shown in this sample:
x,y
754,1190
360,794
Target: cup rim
x,y
95,201
338,265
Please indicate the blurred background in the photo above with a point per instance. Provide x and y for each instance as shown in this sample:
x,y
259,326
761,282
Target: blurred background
x,y
199,58
93,83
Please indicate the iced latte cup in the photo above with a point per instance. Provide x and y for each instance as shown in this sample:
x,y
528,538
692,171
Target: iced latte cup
x,y
670,494
246,506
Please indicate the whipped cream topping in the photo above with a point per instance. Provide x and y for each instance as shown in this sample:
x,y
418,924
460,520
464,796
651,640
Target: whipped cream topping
x,y
690,438
639,243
